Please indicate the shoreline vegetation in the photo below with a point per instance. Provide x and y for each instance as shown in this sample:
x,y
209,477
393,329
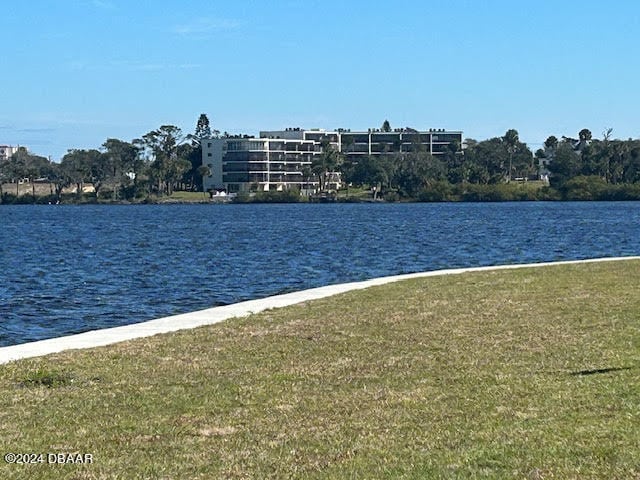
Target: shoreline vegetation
x,y
165,162
527,373
585,189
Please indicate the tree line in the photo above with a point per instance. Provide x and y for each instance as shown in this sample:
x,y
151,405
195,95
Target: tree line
x,y
165,159
158,163
593,169
580,168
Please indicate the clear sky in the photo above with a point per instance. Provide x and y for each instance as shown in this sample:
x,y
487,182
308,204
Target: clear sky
x,y
76,72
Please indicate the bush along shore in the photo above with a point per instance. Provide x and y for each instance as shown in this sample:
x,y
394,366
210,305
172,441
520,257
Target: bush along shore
x,y
577,189
528,373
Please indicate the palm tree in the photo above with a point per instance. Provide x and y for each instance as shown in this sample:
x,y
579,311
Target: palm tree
x,y
325,163
203,171
511,140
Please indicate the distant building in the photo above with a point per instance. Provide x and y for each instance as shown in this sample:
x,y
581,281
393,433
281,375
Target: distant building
x,y
282,159
259,164
6,151
578,146
376,142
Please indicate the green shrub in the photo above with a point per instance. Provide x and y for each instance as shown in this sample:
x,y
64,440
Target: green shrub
x,y
390,196
242,197
584,187
285,196
488,193
548,194
625,191
8,198
440,191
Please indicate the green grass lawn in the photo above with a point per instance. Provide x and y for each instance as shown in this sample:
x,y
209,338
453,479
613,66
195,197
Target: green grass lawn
x,y
181,196
530,374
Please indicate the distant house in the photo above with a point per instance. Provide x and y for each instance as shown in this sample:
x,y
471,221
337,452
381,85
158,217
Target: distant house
x,y
282,159
6,151
577,144
549,154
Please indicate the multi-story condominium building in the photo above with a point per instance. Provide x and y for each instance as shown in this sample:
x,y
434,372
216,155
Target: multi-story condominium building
x,y
282,159
265,163
377,142
6,151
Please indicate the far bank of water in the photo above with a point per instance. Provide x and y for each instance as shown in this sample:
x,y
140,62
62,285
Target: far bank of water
x,y
68,269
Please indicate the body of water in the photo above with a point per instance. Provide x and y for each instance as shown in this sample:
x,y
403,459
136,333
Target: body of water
x,y
69,269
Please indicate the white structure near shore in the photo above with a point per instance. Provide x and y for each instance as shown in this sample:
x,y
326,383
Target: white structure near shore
x,y
6,151
282,159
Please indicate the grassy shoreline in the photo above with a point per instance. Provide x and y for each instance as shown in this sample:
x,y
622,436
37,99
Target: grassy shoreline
x,y
526,373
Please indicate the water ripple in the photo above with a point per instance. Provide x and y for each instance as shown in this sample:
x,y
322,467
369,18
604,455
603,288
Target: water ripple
x,y
68,269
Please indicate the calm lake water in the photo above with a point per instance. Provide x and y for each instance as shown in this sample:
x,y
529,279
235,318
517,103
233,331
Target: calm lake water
x,y
68,269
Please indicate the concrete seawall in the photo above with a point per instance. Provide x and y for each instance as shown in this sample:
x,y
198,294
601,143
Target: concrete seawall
x,y
107,336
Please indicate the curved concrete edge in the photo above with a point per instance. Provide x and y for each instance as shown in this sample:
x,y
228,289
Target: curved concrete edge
x,y
108,336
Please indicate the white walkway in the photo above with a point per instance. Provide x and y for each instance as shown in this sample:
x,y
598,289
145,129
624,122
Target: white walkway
x,y
107,336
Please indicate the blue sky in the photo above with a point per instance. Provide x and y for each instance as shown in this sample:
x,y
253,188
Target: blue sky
x,y
76,72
